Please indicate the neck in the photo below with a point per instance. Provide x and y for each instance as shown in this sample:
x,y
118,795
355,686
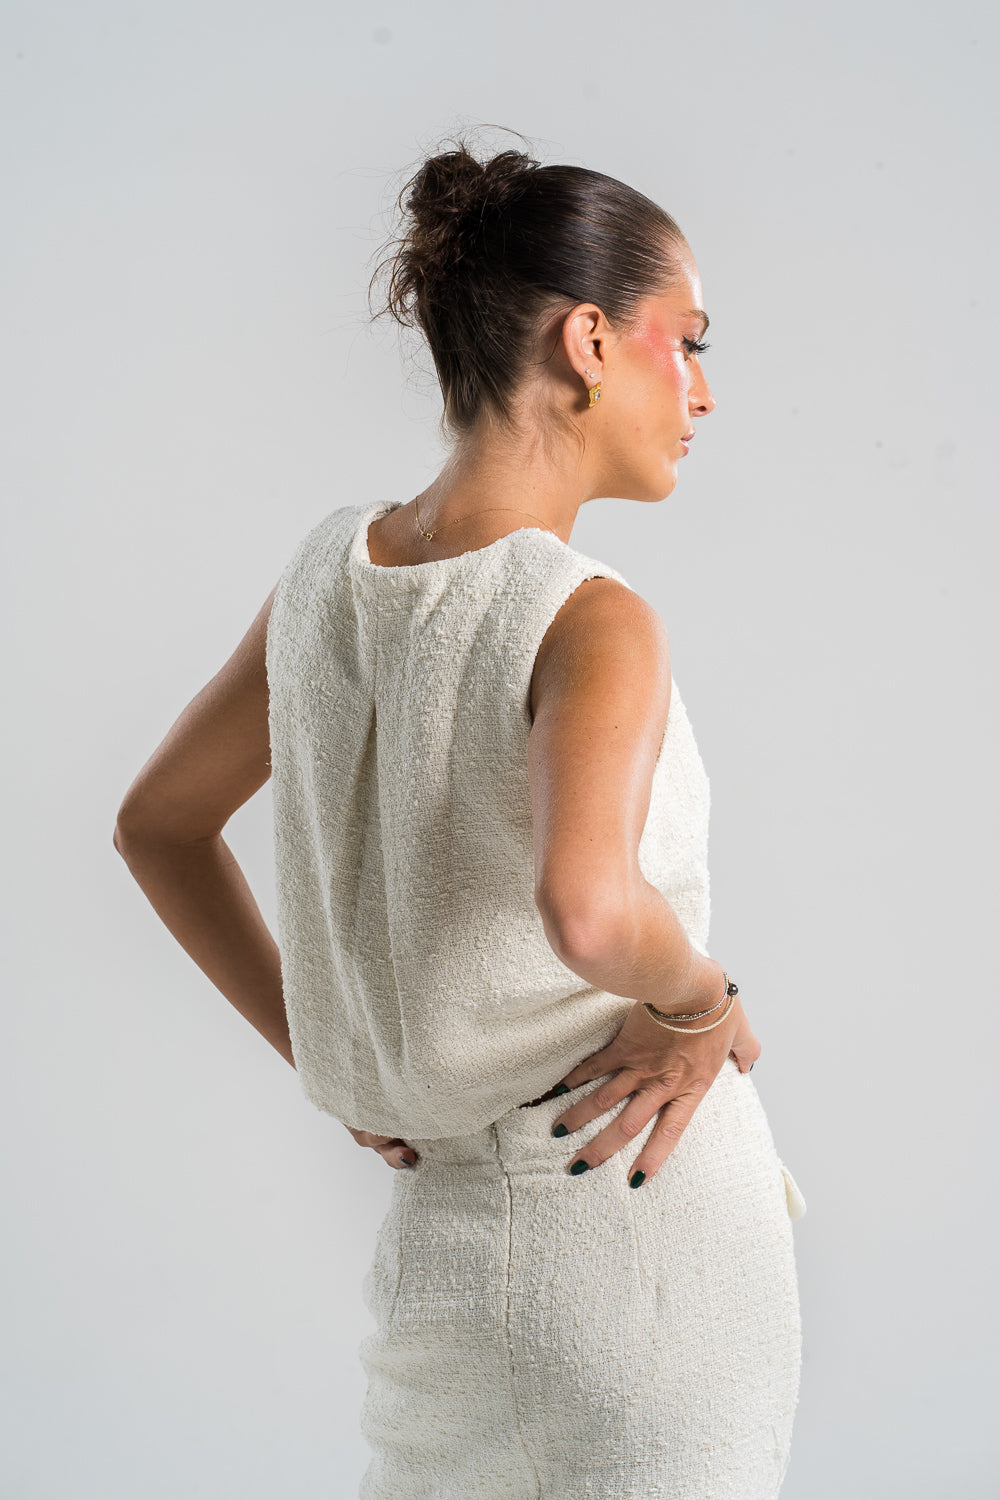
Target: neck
x,y
488,471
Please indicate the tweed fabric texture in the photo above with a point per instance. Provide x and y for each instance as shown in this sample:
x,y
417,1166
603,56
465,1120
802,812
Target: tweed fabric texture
x,y
548,1337
423,997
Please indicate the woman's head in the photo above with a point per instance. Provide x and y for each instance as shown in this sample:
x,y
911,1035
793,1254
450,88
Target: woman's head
x,y
523,278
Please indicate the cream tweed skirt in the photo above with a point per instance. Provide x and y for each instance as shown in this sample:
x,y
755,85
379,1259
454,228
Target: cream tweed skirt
x,y
548,1337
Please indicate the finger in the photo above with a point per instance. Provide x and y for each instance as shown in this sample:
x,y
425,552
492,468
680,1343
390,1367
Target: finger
x,y
399,1155
674,1116
746,1053
667,1131
599,1063
610,1093
370,1139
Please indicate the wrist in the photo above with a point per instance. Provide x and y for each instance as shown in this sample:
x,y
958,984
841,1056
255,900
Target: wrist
x,y
704,988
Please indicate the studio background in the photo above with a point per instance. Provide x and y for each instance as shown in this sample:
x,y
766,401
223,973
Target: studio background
x,y
195,194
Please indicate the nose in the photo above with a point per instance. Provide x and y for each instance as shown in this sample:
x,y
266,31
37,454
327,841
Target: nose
x,y
700,398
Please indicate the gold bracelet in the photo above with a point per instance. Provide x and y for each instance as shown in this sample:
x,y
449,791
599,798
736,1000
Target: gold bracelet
x,y
688,1030
731,989
697,1016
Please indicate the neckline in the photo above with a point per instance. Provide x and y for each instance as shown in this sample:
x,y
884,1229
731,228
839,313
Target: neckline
x,y
373,512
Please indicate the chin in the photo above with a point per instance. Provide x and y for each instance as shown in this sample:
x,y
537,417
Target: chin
x,y
649,489
667,485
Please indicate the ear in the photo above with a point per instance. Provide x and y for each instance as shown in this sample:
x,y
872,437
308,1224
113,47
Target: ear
x,y
584,339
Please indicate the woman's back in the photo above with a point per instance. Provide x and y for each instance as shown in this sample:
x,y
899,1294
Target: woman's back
x,y
422,993
491,830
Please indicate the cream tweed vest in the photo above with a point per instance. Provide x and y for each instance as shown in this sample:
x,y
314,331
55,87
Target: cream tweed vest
x,y
423,997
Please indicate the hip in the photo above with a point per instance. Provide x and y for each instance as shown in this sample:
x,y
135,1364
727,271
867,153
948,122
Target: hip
x,y
723,1189
611,1327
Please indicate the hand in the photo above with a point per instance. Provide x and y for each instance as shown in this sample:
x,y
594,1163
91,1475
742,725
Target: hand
x,y
392,1148
668,1072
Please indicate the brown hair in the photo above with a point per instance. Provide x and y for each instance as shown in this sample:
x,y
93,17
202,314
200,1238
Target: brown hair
x,y
489,251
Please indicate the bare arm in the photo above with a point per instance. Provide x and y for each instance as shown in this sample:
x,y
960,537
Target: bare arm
x,y
600,698
169,832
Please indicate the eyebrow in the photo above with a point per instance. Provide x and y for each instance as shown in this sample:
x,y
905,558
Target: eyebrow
x,y
698,312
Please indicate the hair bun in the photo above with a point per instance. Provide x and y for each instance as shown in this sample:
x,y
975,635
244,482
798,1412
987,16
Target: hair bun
x,y
455,200
456,183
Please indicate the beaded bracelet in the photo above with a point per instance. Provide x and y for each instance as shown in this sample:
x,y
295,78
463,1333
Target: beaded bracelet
x,y
698,1015
663,1016
655,1015
731,989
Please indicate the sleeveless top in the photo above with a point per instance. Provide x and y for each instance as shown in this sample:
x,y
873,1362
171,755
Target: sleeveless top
x,y
422,995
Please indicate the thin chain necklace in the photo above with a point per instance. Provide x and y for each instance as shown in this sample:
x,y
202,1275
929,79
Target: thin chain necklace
x,y
429,534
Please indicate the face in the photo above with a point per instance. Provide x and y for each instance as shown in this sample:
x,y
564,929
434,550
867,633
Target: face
x,y
653,391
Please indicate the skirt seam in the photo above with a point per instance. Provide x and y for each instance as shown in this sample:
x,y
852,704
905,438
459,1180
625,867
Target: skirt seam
x,y
638,1244
400,1253
495,1136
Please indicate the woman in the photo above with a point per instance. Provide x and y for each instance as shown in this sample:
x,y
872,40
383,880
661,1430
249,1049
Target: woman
x,y
491,837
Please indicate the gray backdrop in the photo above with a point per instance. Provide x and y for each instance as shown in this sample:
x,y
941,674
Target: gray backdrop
x,y
195,190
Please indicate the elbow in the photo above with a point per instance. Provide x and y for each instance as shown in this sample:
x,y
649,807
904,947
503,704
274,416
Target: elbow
x,y
587,933
120,837
132,824
124,838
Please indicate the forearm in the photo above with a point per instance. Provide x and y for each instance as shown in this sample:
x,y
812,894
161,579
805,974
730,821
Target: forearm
x,y
641,952
201,894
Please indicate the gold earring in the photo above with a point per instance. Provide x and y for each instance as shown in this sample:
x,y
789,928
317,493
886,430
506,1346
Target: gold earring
x,y
595,393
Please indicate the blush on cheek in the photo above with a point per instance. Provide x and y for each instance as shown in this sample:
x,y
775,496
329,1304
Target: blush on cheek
x,y
666,360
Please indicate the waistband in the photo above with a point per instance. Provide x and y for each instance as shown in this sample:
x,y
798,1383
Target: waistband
x,y
523,1136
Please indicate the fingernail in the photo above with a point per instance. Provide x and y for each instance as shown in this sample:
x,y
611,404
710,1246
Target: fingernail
x,y
637,1179
578,1167
562,1089
750,1069
406,1162
559,1130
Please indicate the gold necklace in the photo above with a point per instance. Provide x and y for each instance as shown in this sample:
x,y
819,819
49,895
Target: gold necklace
x,y
429,534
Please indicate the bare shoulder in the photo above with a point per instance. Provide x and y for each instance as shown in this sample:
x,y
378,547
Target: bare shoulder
x,y
606,640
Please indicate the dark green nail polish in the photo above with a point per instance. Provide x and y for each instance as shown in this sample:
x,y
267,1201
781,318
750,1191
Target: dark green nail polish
x,y
562,1089
578,1167
559,1130
637,1179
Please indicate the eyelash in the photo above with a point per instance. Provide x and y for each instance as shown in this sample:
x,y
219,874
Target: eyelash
x,y
695,347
